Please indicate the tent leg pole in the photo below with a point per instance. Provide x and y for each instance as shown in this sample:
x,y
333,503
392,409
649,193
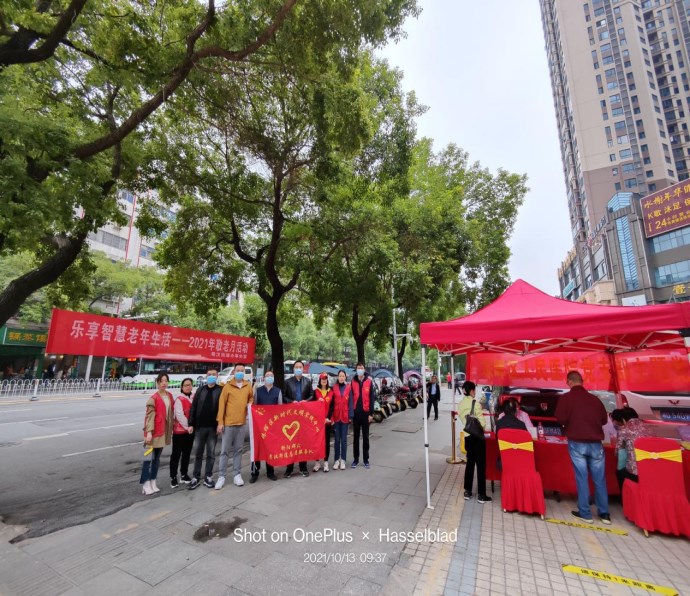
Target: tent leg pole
x,y
426,432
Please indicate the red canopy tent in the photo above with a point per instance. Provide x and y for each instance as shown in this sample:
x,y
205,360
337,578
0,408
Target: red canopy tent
x,y
525,320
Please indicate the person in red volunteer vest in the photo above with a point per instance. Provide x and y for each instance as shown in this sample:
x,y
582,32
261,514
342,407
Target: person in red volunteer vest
x,y
183,434
158,425
362,397
339,415
324,393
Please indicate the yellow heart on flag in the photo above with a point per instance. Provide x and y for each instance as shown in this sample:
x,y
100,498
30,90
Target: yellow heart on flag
x,y
288,432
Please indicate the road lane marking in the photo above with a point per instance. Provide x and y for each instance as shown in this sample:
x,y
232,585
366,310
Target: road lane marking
x,y
45,437
571,524
19,410
103,449
32,421
78,430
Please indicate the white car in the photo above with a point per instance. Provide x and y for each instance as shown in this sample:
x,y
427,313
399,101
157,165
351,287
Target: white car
x,y
225,374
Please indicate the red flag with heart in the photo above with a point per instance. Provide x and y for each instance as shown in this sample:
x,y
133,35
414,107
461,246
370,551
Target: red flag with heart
x,y
288,433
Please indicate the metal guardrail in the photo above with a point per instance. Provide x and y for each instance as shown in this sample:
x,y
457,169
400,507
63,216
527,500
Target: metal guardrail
x,y
35,389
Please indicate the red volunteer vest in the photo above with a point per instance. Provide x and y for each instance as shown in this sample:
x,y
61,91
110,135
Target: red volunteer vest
x,y
366,392
160,416
186,402
341,406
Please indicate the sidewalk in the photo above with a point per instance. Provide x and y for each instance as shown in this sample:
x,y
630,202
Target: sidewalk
x,y
163,545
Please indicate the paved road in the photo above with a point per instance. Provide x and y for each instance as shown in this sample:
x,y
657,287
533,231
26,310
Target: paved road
x,y
70,461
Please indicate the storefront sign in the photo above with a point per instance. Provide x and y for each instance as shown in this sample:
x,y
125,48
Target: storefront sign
x,y
97,335
666,210
10,336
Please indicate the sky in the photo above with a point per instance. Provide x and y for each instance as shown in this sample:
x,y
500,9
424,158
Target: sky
x,y
481,69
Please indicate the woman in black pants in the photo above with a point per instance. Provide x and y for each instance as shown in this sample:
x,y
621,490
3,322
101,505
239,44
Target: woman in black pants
x,y
476,448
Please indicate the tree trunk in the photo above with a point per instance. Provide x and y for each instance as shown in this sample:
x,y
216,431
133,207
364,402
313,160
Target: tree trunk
x,y
276,341
401,352
18,290
360,338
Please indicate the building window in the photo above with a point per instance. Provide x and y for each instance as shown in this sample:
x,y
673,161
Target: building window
x,y
617,185
625,244
652,187
145,251
631,183
622,139
670,240
649,173
614,171
620,125
617,111
629,167
612,157
675,273
625,153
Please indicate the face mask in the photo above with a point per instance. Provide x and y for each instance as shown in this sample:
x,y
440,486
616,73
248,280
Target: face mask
x,y
211,380
298,372
269,380
360,371
239,376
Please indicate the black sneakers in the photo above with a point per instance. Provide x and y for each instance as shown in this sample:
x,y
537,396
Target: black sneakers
x,y
208,482
577,515
272,477
174,483
193,484
305,473
253,478
484,499
287,474
605,518
467,496
186,479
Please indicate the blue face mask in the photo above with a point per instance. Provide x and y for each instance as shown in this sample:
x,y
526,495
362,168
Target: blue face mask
x,y
269,380
360,371
298,372
211,379
239,376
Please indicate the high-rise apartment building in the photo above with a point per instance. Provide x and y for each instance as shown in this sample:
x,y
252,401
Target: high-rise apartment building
x,y
620,77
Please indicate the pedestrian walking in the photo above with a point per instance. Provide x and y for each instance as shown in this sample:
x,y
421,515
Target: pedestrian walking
x,y
202,421
235,398
433,395
324,393
449,381
339,414
158,425
183,435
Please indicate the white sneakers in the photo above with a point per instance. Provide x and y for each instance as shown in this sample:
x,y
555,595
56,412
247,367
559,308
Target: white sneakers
x,y
336,465
342,464
146,488
325,466
220,483
154,487
317,467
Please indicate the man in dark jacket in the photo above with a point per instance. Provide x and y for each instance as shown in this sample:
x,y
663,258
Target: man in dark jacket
x,y
582,416
433,396
202,419
298,388
362,398
266,395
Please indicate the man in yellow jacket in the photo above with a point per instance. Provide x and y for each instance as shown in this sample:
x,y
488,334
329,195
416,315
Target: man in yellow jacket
x,y
232,424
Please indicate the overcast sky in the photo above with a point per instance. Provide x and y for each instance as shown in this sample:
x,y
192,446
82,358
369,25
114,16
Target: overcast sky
x,y
481,69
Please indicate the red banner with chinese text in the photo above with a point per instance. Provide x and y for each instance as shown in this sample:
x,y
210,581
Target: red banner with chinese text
x,y
667,209
86,334
652,370
288,433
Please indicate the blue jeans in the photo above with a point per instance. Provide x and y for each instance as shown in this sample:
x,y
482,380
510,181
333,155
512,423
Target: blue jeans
x,y
149,471
340,444
589,457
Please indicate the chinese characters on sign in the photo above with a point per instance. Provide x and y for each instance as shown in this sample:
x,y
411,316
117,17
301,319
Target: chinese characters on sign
x,y
83,333
22,337
666,210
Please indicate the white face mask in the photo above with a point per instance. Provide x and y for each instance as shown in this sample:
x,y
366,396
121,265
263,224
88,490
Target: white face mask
x,y
360,371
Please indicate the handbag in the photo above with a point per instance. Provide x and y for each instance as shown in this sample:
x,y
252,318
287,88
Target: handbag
x,y
473,427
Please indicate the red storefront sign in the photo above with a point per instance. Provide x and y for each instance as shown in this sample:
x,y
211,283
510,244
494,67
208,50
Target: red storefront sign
x,y
288,433
667,209
86,334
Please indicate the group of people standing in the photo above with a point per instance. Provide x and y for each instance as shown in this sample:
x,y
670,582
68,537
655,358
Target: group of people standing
x,y
215,411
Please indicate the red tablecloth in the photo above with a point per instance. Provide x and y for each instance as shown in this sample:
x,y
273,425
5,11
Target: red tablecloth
x,y
553,463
